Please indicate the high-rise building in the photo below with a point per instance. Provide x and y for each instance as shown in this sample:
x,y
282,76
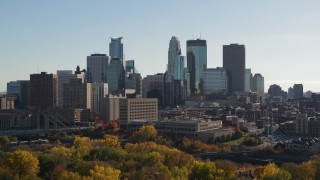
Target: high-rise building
x,y
130,67
116,48
173,52
24,98
75,95
95,92
154,87
43,90
290,93
64,76
134,81
247,80
97,65
19,91
257,83
197,62
214,80
116,76
168,90
275,90
235,64
297,91
181,80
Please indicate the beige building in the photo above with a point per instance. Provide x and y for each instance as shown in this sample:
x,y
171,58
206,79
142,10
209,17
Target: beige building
x,y
138,109
7,102
109,107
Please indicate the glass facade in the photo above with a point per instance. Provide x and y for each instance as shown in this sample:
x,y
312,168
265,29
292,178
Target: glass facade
x,y
115,76
116,48
97,65
214,80
197,62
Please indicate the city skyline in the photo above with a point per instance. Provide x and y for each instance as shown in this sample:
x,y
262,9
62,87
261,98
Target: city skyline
x,y
281,45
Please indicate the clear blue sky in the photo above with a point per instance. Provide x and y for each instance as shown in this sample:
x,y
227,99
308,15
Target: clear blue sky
x,y
282,37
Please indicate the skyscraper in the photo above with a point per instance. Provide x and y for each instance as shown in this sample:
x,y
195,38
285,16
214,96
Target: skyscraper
x,y
197,62
235,64
247,80
214,80
116,76
97,65
297,91
173,52
116,48
43,90
257,83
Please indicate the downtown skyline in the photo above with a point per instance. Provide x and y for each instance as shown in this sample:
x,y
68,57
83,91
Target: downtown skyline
x,y
281,45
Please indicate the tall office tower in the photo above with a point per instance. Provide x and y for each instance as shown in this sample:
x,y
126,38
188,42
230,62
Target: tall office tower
x,y
75,95
173,52
214,80
43,90
134,81
64,76
234,62
153,87
116,76
130,68
116,48
290,93
181,80
24,98
297,91
275,90
197,62
247,80
13,91
95,92
257,83
97,65
168,90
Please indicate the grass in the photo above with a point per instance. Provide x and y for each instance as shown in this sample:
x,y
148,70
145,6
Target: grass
x,y
234,142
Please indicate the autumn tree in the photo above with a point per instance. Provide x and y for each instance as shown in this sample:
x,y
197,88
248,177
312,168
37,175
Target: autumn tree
x,y
22,164
205,170
271,172
229,168
145,133
304,171
105,173
4,140
111,142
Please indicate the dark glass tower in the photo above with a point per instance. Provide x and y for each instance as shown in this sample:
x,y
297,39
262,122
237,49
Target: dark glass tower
x,y
234,62
196,62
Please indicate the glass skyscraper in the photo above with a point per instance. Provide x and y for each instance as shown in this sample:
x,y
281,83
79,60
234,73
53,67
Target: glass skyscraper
x,y
116,76
116,48
97,65
214,80
196,62
173,52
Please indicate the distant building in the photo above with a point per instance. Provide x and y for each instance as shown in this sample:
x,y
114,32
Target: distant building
x,y
297,91
110,107
95,92
257,83
138,109
235,63
116,49
75,95
214,80
247,80
43,90
97,65
196,62
6,103
290,93
20,92
276,91
116,76
154,87
173,52
181,80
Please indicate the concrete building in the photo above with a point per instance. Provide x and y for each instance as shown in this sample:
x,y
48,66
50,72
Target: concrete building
x,y
43,90
234,62
290,93
257,83
153,87
110,107
137,109
75,95
95,92
276,91
214,80
116,48
173,52
97,65
196,62
64,77
7,102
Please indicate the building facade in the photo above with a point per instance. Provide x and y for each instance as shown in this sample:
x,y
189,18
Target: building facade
x,y
234,63
116,49
257,83
116,76
214,80
173,52
196,62
297,91
97,65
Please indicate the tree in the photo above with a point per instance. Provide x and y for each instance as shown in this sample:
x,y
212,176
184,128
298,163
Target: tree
x,y
205,170
304,171
271,172
22,164
105,173
229,168
66,175
4,140
111,142
145,133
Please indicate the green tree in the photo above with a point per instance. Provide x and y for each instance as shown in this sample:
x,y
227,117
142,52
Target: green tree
x,y
22,164
205,171
4,140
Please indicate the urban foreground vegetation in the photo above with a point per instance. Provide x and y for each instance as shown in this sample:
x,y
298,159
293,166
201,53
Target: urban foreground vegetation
x,y
146,156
